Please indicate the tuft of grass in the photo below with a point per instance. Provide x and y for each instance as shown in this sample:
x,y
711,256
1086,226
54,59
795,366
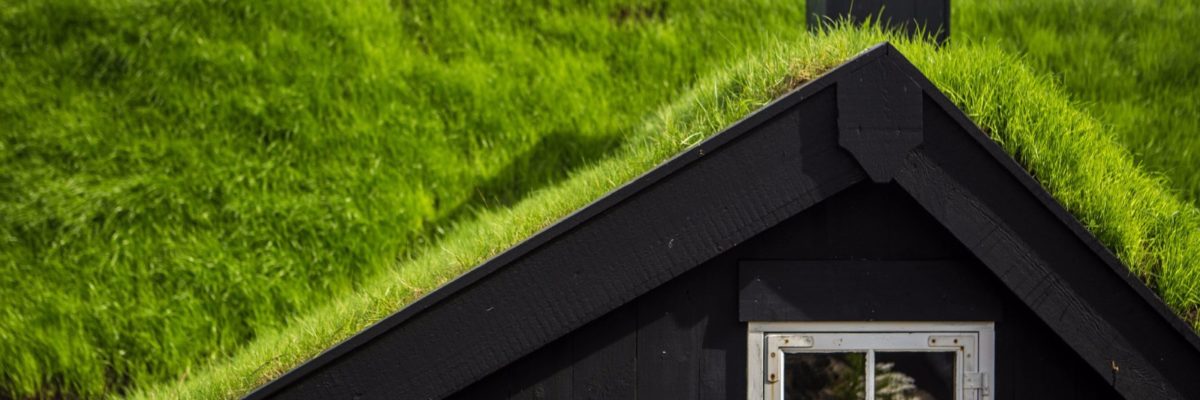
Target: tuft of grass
x,y
1027,112
179,178
1132,63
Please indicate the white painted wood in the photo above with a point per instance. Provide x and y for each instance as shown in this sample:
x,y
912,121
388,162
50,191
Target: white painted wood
x,y
972,342
869,385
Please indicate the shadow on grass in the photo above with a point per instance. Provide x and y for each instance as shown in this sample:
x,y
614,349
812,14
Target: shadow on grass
x,y
551,160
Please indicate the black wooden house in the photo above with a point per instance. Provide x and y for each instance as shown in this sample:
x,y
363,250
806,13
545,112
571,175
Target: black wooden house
x,y
859,237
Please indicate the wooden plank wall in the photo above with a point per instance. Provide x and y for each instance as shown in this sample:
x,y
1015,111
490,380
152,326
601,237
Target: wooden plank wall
x,y
684,339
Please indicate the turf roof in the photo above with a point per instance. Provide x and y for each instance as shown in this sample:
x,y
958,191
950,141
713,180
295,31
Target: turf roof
x,y
1132,63
1134,214
180,178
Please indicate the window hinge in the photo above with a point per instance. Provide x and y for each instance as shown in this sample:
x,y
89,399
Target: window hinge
x,y
975,386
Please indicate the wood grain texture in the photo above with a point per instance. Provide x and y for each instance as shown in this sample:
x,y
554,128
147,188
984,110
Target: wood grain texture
x,y
1047,258
840,290
879,117
668,228
1033,280
781,169
557,368
597,361
828,164
606,358
669,339
1033,363
864,222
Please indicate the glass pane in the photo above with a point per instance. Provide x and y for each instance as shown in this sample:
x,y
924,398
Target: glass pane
x,y
824,376
914,376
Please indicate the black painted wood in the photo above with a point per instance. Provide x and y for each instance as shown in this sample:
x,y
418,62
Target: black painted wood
x,y
606,366
864,222
906,15
598,361
710,201
1033,363
719,352
669,336
782,168
557,385
1043,255
879,117
865,291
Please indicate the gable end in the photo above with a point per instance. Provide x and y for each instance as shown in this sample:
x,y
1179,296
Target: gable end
x,y
875,117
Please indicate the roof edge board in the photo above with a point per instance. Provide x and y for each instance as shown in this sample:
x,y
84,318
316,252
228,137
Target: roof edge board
x,y
1114,264
909,164
1106,366
574,219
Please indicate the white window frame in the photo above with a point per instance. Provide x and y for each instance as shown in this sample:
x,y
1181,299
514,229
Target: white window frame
x,y
973,342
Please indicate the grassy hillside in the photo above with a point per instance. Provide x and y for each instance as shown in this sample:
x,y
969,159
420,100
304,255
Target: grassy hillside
x,y
1027,113
1135,64
179,177
196,195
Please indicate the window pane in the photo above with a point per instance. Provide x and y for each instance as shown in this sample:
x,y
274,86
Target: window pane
x,y
914,376
824,376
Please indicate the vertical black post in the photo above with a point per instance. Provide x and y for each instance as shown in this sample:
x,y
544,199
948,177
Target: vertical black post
x,y
906,15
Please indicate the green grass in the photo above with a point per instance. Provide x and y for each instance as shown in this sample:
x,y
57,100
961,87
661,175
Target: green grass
x,y
179,178
1133,63
1031,116
195,196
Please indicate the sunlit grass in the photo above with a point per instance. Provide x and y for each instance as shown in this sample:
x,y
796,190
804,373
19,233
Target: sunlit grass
x,y
196,195
1133,63
179,177
1027,113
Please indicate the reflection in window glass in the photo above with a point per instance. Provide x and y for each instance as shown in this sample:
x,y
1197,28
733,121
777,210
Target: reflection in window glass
x,y
824,376
914,375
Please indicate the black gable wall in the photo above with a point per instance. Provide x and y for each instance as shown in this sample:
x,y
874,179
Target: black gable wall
x,y
815,207
687,339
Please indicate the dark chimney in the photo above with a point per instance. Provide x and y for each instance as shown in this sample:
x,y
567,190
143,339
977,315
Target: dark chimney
x,y
905,15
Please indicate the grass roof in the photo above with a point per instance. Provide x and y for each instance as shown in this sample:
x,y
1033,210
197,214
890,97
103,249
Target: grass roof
x,y
1030,116
1131,63
180,177
196,196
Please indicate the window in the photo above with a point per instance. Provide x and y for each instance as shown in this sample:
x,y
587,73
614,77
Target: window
x,y
870,360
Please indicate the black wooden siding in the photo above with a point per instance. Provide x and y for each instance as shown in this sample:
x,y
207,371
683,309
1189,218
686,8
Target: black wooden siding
x,y
790,161
686,339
